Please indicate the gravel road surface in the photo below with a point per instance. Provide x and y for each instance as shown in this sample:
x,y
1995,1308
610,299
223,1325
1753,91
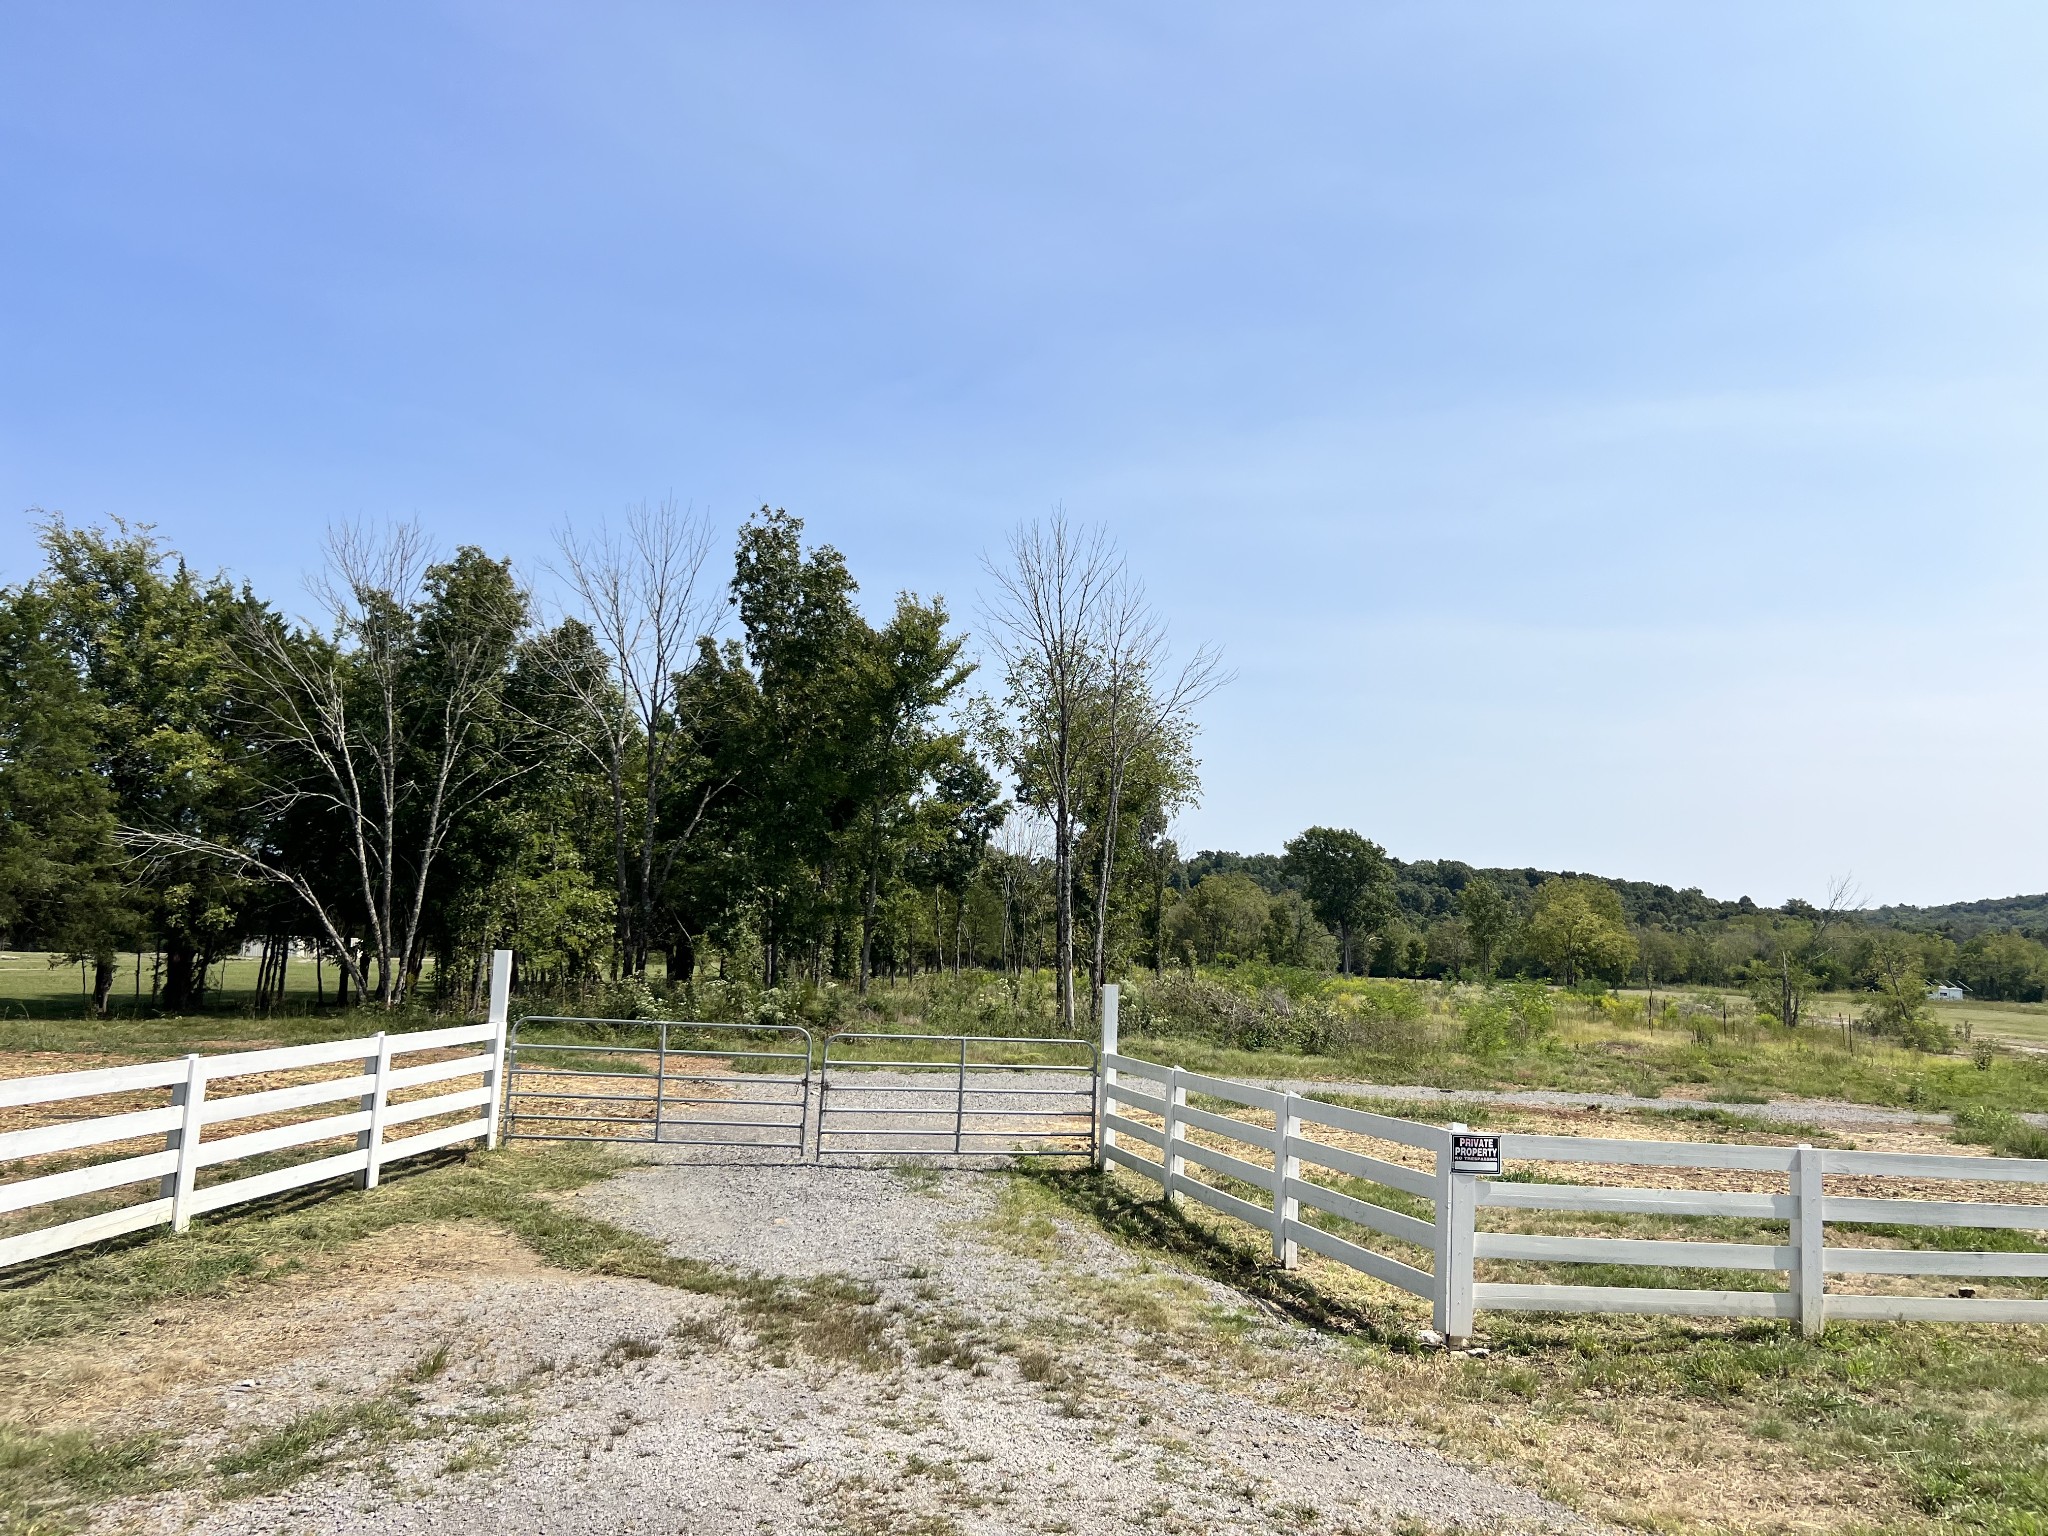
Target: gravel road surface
x,y
638,1408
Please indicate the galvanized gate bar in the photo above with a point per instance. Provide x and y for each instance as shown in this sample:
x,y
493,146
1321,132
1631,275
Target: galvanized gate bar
x,y
539,1095
940,1117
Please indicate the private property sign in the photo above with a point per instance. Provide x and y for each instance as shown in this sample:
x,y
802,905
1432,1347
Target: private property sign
x,y
1475,1152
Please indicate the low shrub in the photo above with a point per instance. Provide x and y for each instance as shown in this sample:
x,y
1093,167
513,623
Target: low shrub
x,y
1231,1009
2002,1131
1515,1014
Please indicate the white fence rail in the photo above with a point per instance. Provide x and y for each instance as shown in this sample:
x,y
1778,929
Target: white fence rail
x,y
196,1105
1270,1192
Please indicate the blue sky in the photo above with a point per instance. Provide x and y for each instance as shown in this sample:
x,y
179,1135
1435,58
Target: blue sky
x,y
1600,436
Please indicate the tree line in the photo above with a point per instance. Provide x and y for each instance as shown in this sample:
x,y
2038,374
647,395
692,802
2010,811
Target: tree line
x,y
686,765
682,763
1448,920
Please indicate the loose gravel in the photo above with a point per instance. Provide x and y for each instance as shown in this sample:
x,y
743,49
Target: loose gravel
x,y
638,1408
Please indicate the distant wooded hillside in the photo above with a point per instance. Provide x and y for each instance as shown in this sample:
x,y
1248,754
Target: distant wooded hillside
x,y
1429,888
1967,919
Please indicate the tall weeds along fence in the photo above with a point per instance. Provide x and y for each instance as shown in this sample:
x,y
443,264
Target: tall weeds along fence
x,y
382,1096
1260,1179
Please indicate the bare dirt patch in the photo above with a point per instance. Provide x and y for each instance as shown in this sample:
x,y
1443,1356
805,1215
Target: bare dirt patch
x,y
149,1370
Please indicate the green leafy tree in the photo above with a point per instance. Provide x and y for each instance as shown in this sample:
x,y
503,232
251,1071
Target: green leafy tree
x,y
1224,919
1449,942
834,747
1347,879
60,881
1489,920
1578,929
1294,937
151,645
1900,1008
2004,967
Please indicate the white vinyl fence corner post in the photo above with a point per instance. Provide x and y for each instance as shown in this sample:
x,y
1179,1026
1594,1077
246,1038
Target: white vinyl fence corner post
x,y
1286,1169
1105,1074
501,1011
1176,1165
1808,1236
194,1102
1456,1206
371,1140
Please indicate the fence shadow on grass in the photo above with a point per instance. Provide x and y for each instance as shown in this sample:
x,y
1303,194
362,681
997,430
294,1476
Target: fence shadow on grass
x,y
1248,1270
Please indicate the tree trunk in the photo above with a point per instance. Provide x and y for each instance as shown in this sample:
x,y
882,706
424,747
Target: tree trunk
x,y
102,984
867,927
1063,918
178,993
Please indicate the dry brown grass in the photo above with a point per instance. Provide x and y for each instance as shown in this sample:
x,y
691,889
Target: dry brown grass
x,y
182,1349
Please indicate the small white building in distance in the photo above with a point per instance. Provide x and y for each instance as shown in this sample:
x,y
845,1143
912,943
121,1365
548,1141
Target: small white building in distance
x,y
1946,992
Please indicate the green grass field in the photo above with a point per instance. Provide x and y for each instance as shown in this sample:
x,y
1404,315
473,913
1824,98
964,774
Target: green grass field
x,y
32,985
2021,1023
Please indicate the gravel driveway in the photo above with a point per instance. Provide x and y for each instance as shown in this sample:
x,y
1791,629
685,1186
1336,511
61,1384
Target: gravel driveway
x,y
643,1408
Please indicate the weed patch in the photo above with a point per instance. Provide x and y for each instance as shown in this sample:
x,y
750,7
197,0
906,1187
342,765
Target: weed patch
x,y
49,1479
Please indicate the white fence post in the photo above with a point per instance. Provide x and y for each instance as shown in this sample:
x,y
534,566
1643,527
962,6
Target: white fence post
x,y
1456,1207
501,1010
372,1139
1105,1075
1810,1280
188,1144
1176,1165
1286,1166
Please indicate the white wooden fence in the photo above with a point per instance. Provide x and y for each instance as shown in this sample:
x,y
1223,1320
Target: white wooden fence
x,y
1455,1242
196,1106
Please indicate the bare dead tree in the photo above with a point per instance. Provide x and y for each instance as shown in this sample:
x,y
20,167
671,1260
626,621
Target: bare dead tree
x,y
1045,624
383,719
639,594
1844,897
1144,711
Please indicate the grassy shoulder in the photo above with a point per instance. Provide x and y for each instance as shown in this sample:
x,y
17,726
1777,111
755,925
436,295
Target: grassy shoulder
x,y
1899,1428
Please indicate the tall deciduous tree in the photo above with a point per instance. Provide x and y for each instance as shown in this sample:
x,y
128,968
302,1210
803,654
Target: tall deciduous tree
x,y
1348,881
1045,624
1145,715
150,643
642,607
1489,919
392,729
1577,927
836,741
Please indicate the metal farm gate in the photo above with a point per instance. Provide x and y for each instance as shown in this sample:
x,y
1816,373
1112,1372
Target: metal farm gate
x,y
681,1084
749,1087
955,1095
